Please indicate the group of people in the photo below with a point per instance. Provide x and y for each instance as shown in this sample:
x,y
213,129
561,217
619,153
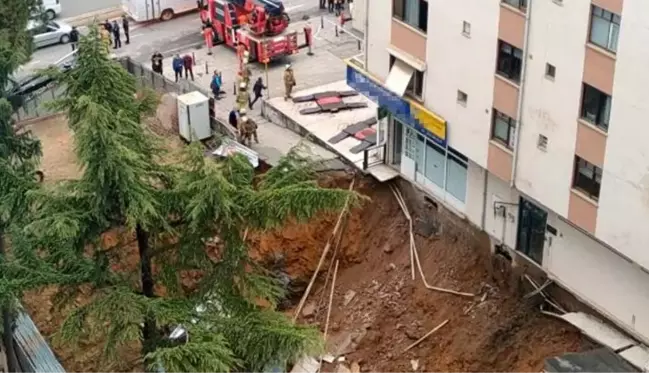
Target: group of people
x,y
237,118
335,6
112,33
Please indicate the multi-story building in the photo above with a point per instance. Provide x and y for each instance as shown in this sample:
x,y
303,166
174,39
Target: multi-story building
x,y
526,117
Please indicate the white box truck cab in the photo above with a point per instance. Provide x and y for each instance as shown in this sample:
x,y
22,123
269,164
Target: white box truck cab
x,y
164,10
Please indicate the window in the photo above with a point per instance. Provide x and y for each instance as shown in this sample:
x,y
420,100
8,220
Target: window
x,y
518,4
503,129
587,178
412,12
435,159
550,71
416,85
510,60
604,28
456,174
466,28
462,97
595,106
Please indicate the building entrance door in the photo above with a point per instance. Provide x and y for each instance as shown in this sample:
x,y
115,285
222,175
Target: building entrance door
x,y
532,222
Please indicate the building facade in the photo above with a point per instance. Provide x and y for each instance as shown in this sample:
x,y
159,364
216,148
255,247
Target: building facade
x,y
526,118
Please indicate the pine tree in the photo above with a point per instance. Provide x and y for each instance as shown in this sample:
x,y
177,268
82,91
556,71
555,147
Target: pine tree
x,y
19,153
175,211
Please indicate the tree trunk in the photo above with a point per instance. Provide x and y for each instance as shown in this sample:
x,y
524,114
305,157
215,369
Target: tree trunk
x,y
7,324
149,331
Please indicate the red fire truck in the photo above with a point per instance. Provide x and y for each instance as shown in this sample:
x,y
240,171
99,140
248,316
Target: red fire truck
x,y
259,26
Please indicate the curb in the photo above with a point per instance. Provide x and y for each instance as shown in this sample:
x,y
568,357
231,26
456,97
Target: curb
x,y
88,18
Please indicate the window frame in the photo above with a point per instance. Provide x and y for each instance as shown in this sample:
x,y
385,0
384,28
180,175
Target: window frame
x,y
518,4
504,57
415,88
400,12
587,185
511,128
603,105
611,19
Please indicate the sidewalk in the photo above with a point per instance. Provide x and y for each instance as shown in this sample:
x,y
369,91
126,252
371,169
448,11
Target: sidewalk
x,y
310,71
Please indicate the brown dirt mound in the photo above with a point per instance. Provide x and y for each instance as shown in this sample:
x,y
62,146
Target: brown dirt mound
x,y
389,311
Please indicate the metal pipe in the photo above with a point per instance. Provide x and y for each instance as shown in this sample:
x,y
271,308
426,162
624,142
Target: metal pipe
x,y
365,33
521,93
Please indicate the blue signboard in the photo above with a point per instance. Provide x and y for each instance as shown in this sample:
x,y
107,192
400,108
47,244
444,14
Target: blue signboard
x,y
397,106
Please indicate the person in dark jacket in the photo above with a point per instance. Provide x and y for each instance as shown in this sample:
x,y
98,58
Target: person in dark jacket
x,y
330,6
233,118
257,90
188,64
126,27
156,62
178,65
74,37
117,38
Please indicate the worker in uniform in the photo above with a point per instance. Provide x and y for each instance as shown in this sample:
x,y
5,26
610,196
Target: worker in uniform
x,y
248,131
243,97
289,82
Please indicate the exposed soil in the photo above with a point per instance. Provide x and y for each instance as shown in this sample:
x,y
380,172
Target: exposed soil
x,y
387,312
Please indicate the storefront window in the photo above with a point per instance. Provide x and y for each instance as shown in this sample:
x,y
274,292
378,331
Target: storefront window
x,y
435,163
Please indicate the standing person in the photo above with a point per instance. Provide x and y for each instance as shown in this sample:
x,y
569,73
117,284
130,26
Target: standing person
x,y
232,118
177,64
117,38
216,84
74,38
105,37
289,82
188,64
108,27
156,62
126,27
243,97
339,7
330,4
323,4
257,89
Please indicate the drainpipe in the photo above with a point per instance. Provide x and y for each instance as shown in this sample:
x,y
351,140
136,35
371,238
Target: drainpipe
x,y
521,92
365,34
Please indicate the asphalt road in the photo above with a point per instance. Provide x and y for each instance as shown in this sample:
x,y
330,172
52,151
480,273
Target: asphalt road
x,y
71,8
180,33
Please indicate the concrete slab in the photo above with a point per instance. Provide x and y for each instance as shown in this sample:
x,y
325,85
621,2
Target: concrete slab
x,y
598,330
638,356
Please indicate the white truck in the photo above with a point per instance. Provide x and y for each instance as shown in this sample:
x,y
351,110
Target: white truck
x,y
164,10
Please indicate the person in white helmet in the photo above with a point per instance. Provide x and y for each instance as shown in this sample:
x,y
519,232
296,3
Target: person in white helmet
x,y
289,81
243,97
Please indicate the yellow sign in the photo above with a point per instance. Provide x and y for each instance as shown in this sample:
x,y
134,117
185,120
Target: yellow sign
x,y
431,122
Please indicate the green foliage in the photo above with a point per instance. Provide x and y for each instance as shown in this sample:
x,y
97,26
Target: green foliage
x,y
181,208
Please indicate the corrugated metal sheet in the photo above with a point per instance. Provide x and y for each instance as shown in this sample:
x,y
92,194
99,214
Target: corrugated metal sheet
x,y
600,360
34,354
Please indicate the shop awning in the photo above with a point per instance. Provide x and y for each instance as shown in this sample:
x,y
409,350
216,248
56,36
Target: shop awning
x,y
399,77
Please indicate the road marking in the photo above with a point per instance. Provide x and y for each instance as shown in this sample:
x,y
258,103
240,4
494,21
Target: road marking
x,y
292,8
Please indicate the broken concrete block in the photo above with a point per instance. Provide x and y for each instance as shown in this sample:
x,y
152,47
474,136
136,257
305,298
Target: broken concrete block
x,y
308,310
342,368
414,364
355,367
387,249
349,296
306,364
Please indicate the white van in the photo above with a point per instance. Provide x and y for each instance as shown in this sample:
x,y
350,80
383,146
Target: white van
x,y
164,10
52,8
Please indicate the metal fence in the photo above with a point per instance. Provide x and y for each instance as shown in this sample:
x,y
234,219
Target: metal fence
x,y
35,105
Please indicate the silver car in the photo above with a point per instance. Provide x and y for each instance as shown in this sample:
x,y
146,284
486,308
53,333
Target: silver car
x,y
51,32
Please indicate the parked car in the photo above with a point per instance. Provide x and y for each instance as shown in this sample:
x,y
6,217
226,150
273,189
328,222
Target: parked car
x,y
52,8
49,33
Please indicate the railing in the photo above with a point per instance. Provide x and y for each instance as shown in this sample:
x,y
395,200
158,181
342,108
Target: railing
x,y
380,150
35,106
